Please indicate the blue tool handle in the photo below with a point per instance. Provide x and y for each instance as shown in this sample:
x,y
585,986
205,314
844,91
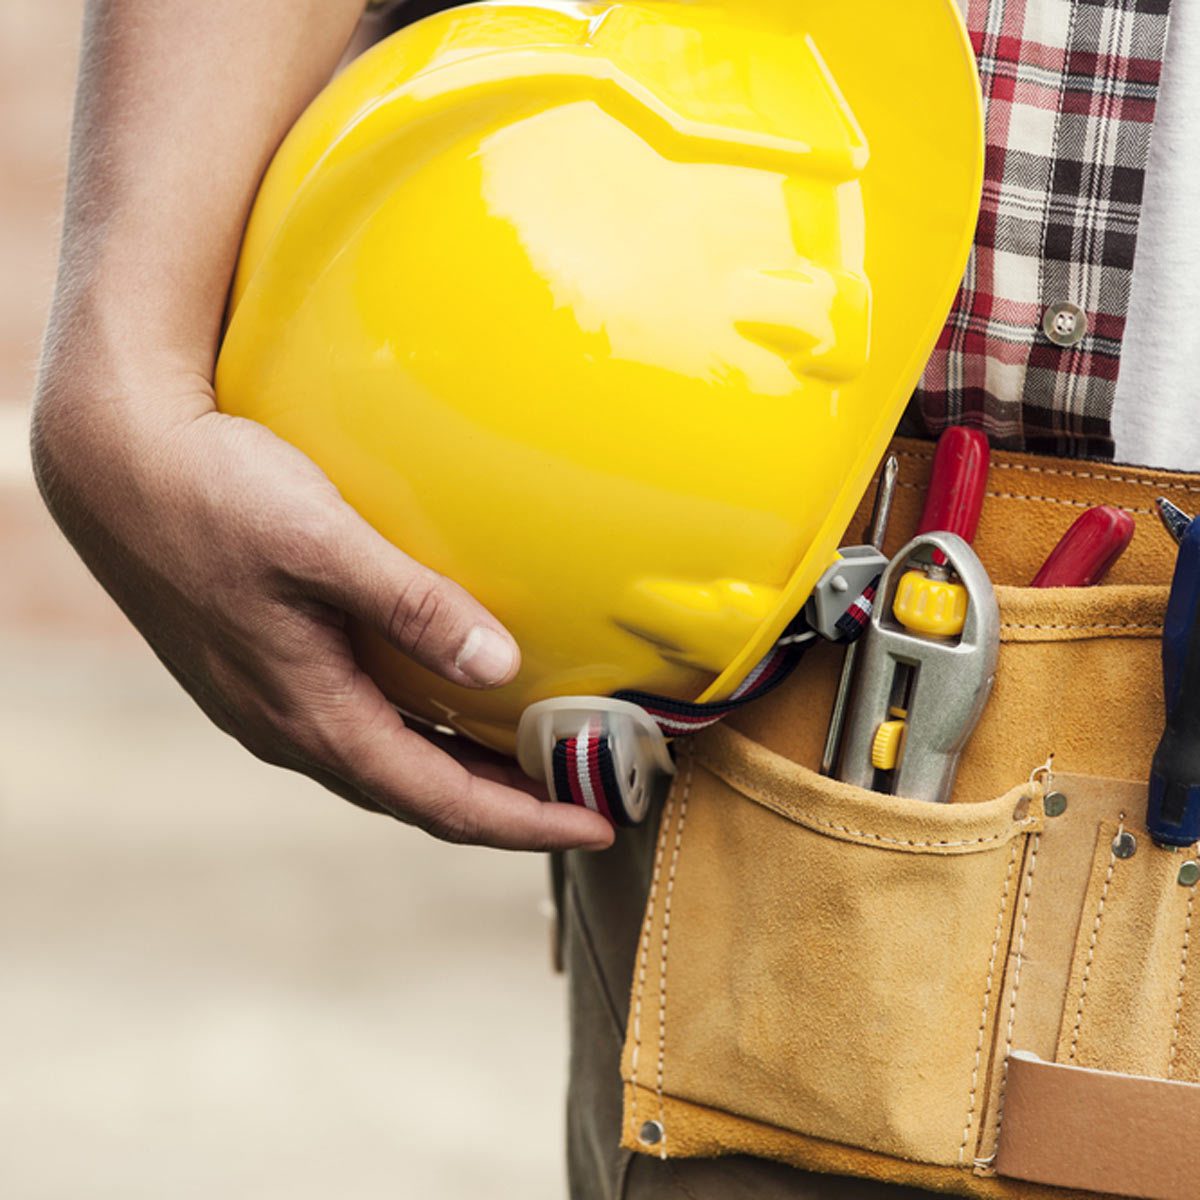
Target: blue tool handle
x,y
1174,809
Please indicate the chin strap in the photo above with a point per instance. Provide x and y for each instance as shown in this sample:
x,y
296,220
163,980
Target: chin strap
x,y
612,763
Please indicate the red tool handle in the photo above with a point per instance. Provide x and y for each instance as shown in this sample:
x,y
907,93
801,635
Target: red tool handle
x,y
958,483
1088,550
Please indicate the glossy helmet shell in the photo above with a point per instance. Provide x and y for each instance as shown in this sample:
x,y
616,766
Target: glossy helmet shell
x,y
608,311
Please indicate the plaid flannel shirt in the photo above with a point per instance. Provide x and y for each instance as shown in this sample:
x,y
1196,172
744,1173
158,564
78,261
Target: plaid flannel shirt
x,y
1070,88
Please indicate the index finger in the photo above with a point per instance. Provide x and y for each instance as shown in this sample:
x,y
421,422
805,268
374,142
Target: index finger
x,y
402,771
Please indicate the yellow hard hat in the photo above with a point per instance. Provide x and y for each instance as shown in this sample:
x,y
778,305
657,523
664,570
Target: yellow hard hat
x,y
608,311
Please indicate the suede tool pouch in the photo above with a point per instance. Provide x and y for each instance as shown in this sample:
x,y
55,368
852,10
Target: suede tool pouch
x,y
851,982
880,924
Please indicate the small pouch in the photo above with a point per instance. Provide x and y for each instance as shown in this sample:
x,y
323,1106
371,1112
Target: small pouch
x,y
842,980
1104,1017
822,959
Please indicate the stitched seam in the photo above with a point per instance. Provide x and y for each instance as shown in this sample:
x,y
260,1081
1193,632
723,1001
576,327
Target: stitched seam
x,y
1087,967
644,956
1065,503
1090,628
987,997
1020,961
1183,963
1145,512
662,970
737,780
1159,485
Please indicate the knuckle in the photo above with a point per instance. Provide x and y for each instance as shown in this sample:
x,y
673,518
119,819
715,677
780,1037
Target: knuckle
x,y
308,736
452,821
333,733
418,613
305,548
257,733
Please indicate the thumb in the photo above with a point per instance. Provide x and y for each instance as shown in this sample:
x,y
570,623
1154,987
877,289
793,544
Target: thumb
x,y
420,612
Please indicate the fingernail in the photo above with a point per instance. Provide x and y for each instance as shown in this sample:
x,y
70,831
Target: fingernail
x,y
486,656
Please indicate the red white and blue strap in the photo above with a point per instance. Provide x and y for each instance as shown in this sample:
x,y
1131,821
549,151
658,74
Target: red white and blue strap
x,y
584,771
678,717
584,768
852,624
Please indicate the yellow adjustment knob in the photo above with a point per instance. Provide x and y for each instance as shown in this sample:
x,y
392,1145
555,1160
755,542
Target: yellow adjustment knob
x,y
885,749
935,607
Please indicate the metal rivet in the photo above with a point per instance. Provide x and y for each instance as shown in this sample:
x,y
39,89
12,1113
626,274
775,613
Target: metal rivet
x,y
1124,845
1189,874
1055,804
1065,324
651,1133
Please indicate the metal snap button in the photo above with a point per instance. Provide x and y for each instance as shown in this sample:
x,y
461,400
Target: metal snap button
x,y
1065,324
651,1133
1055,804
1189,874
1124,845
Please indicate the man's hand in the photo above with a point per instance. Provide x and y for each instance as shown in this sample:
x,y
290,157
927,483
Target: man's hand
x,y
239,562
230,551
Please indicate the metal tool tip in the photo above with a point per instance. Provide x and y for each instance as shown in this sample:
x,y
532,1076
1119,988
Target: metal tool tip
x,y
1174,519
884,494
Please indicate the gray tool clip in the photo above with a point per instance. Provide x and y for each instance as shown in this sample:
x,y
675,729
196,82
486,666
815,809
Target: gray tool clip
x,y
854,571
941,685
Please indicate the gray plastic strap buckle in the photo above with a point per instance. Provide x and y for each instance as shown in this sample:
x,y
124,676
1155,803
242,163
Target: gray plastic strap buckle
x,y
840,586
641,761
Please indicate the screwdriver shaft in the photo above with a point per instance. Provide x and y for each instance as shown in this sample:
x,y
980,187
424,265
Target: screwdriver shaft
x,y
880,516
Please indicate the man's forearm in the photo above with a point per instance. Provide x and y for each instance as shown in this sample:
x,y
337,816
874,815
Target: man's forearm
x,y
229,550
180,106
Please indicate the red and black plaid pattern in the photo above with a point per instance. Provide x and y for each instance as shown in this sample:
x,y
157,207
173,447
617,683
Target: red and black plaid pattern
x,y
1070,88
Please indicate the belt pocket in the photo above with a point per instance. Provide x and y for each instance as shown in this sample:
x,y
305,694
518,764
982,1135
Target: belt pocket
x,y
1112,1067
821,959
1129,1008
870,986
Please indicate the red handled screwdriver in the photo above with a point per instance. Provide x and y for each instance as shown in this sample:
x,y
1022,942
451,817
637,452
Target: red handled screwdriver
x,y
1088,550
957,485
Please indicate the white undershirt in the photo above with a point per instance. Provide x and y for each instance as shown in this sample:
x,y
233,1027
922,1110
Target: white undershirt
x,y
1156,416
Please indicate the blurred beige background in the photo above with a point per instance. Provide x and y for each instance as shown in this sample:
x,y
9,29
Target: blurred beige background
x,y
214,980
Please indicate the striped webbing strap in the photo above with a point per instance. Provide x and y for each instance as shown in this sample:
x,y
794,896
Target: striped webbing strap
x,y
584,767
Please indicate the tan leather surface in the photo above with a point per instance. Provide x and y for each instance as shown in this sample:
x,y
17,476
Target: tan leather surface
x,y
902,911
1130,1136
1060,688
704,1133
1079,677
1129,973
1032,501
1054,889
824,977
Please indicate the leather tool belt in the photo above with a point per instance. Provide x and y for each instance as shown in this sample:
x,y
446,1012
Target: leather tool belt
x,y
995,997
